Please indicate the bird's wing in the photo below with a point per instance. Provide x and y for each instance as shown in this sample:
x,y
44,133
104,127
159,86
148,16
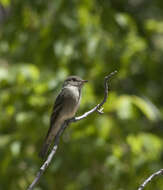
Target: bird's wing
x,y
56,109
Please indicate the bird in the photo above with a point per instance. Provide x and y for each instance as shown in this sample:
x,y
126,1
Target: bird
x,y
65,107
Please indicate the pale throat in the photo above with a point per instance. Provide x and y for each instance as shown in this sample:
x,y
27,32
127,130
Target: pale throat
x,y
75,91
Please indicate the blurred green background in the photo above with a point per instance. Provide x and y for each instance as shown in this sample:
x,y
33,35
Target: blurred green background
x,y
42,42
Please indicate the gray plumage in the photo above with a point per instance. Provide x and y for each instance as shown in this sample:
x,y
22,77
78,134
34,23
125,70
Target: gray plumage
x,y
65,107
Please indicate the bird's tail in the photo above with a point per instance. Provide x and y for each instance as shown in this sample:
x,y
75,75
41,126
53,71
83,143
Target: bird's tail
x,y
48,141
52,132
46,145
44,150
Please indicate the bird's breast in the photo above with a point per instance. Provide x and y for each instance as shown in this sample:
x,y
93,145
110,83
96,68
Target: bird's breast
x,y
71,102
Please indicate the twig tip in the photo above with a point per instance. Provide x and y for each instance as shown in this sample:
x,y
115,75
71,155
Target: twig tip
x,y
113,73
100,111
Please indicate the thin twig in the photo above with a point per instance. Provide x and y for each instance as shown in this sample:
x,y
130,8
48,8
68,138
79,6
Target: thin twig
x,y
150,178
97,108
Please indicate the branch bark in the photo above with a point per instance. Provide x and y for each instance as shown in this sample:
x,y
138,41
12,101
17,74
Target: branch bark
x,y
150,178
97,108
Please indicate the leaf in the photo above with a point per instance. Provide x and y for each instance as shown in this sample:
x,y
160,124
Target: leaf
x,y
147,107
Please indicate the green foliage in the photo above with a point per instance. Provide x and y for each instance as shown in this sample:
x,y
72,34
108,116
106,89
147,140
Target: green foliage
x,y
41,42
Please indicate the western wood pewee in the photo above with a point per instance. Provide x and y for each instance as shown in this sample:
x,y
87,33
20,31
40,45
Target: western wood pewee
x,y
65,107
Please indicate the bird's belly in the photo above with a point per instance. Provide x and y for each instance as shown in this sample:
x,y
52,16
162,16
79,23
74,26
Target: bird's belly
x,y
70,109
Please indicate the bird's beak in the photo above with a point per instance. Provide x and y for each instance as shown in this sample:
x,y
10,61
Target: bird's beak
x,y
84,81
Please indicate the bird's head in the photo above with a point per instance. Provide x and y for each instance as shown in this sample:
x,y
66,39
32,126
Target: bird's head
x,y
74,81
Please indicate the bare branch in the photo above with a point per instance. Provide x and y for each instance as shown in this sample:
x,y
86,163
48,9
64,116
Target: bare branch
x,y
150,178
97,108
